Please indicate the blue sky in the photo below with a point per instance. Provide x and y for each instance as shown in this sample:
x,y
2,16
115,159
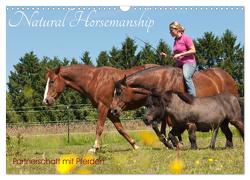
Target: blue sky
x,y
70,42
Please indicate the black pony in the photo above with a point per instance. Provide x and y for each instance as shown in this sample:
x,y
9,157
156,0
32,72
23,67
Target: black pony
x,y
196,114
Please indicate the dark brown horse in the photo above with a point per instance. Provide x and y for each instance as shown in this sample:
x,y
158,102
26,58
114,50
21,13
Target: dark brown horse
x,y
196,114
95,83
132,89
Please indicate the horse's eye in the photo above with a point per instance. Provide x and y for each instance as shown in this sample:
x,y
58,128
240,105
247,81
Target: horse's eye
x,y
52,81
118,92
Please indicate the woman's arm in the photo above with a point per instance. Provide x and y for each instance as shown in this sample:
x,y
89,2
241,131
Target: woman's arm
x,y
191,51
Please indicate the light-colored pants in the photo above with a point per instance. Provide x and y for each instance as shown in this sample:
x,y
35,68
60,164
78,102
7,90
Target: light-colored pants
x,y
188,71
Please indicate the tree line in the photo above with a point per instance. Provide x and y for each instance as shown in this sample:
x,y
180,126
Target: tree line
x,y
27,81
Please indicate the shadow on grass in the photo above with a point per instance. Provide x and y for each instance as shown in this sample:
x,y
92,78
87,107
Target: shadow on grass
x,y
189,148
116,150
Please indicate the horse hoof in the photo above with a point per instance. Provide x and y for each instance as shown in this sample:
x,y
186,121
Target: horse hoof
x,y
180,145
229,144
92,150
136,147
194,147
212,147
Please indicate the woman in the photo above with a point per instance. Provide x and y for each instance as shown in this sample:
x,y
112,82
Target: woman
x,y
184,51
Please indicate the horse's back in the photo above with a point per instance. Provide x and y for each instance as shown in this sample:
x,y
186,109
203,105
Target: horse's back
x,y
214,81
227,103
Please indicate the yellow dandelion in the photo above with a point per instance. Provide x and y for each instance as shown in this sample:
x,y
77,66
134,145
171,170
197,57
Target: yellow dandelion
x,y
176,166
210,160
148,138
84,171
197,162
66,164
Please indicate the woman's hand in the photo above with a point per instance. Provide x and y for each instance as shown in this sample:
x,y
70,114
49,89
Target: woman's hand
x,y
163,54
177,56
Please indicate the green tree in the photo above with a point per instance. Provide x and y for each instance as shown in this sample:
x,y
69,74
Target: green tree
x,y
163,47
128,53
208,50
11,115
86,58
23,84
103,59
74,61
146,55
233,58
115,57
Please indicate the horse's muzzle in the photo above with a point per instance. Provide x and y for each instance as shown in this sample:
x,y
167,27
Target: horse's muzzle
x,y
48,101
115,112
146,121
45,101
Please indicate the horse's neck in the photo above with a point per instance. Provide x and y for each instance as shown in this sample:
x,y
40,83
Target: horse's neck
x,y
162,79
79,78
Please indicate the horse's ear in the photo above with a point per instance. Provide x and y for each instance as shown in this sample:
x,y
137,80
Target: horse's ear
x,y
57,70
123,81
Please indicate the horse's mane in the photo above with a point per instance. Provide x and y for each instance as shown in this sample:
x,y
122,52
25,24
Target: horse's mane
x,y
77,66
154,97
184,96
150,69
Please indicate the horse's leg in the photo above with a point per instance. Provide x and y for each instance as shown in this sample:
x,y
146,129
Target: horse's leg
x,y
192,137
229,136
102,114
161,136
213,140
171,136
239,125
118,125
163,126
163,129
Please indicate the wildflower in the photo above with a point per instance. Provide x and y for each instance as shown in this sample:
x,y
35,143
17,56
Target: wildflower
x,y
176,166
210,160
66,164
148,138
84,171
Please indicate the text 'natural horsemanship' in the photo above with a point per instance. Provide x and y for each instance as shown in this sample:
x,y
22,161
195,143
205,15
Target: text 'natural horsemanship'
x,y
73,18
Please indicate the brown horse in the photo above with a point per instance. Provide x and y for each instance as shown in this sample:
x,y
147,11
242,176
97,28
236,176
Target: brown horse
x,y
95,83
132,89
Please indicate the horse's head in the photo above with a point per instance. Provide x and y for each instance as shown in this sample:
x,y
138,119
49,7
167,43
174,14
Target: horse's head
x,y
54,86
125,95
155,109
121,95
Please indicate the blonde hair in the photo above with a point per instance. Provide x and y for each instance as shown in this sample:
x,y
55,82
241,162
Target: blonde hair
x,y
176,25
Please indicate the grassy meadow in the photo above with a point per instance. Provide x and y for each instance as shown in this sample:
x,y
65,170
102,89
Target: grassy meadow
x,y
118,157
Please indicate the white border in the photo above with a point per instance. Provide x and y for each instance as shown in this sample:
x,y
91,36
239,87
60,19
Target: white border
x,y
126,3
4,3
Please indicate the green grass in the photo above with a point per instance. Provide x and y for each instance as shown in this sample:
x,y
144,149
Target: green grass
x,y
120,158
